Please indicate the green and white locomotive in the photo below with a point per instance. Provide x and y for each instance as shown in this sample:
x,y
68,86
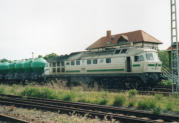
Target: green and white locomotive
x,y
114,67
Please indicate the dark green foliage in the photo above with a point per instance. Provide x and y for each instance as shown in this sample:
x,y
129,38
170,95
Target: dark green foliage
x,y
67,97
132,92
147,104
157,110
119,101
103,102
50,56
164,58
5,60
166,83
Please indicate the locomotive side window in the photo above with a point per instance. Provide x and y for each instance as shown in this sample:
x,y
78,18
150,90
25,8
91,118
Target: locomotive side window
x,y
67,63
78,62
62,63
124,51
94,61
149,56
101,61
117,51
54,70
72,63
58,69
88,61
108,60
54,64
58,63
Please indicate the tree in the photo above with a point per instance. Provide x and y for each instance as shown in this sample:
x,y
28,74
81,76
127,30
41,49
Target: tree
x,y
5,60
50,56
164,58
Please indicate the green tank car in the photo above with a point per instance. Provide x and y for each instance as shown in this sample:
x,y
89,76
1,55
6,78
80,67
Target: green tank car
x,y
38,65
28,65
4,67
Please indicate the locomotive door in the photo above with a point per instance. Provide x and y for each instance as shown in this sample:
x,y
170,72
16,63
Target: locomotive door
x,y
128,64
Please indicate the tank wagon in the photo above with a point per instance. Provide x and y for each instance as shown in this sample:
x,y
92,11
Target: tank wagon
x,y
112,67
31,69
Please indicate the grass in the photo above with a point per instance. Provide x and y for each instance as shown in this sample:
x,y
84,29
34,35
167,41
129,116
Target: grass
x,y
156,104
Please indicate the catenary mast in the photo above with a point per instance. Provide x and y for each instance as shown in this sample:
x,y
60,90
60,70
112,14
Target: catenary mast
x,y
174,48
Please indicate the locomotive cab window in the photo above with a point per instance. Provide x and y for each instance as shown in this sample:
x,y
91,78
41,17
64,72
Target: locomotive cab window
x,y
95,61
149,56
124,51
108,60
117,51
138,58
78,62
88,61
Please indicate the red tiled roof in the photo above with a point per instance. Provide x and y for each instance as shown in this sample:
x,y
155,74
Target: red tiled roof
x,y
135,36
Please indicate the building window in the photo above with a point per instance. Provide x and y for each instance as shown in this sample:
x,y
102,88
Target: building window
x,y
72,63
94,61
54,64
108,60
58,63
88,61
58,69
124,51
54,70
78,62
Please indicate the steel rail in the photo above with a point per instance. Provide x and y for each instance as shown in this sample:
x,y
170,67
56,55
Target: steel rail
x,y
11,119
85,106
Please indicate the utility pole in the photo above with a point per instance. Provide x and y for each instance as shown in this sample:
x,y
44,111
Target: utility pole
x,y
174,48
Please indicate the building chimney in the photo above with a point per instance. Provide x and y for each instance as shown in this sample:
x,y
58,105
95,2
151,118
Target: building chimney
x,y
108,34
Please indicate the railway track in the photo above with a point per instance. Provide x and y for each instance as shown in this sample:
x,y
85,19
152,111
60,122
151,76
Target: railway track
x,y
9,119
90,110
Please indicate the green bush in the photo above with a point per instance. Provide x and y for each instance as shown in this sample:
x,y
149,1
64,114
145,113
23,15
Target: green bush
x,y
103,101
40,93
132,93
157,110
147,104
158,96
169,107
119,101
132,103
2,90
68,97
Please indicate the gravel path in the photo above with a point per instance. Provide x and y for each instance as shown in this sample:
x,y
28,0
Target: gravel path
x,y
38,116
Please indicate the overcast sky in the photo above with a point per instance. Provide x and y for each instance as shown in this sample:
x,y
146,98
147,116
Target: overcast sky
x,y
65,26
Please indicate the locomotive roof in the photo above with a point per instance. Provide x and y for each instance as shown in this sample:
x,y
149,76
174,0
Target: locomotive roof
x,y
106,53
135,36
